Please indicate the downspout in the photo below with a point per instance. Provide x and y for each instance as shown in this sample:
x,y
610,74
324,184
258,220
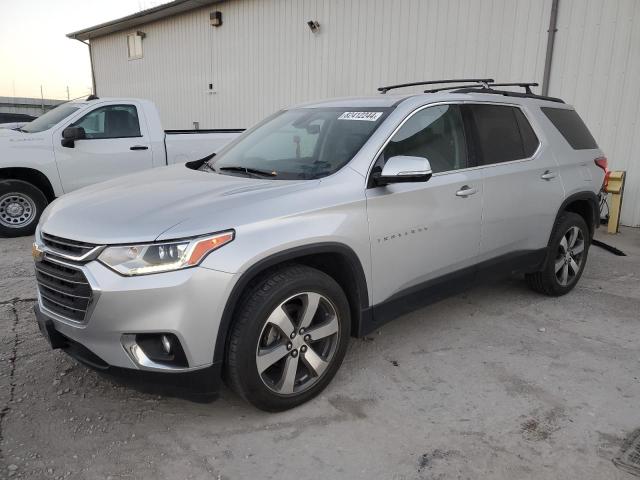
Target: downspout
x,y
93,75
551,38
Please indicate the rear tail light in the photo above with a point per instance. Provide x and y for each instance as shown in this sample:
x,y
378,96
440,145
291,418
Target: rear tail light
x,y
604,165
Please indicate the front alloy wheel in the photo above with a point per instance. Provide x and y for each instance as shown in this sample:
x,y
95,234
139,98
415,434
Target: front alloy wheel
x,y
288,337
297,343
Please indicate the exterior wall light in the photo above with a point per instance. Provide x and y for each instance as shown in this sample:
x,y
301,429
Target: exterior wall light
x,y
215,18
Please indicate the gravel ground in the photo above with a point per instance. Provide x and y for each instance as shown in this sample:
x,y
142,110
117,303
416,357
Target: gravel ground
x,y
498,383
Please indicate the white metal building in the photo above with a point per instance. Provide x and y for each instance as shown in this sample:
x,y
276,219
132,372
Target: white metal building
x,y
263,55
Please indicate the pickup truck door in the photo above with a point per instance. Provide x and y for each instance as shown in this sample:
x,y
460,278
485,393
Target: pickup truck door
x,y
424,234
117,143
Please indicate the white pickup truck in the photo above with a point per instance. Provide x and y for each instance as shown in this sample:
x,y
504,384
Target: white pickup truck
x,y
80,143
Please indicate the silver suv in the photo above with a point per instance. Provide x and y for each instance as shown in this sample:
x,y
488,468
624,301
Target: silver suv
x,y
322,222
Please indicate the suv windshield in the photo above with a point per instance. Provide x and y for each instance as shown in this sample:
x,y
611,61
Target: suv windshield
x,y
49,119
304,143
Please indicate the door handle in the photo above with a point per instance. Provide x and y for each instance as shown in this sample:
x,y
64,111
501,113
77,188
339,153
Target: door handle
x,y
139,147
465,191
548,175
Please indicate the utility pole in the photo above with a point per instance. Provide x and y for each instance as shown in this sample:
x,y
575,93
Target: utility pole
x,y
67,92
42,98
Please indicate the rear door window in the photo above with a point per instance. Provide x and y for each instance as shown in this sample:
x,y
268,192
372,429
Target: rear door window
x,y
503,134
572,128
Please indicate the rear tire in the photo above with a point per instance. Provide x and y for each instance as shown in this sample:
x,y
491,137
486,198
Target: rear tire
x,y
566,257
21,205
277,361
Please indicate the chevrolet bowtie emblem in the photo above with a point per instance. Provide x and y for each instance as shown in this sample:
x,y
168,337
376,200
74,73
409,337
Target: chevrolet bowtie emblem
x,y
37,253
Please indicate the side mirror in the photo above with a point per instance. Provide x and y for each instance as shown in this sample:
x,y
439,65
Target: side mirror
x,y
313,129
403,169
71,134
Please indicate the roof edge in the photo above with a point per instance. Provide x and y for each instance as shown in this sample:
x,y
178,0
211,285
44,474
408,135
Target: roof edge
x,y
140,18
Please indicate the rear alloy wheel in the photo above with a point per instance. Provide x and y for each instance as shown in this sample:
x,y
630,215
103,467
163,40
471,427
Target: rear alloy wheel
x,y
21,205
288,338
567,256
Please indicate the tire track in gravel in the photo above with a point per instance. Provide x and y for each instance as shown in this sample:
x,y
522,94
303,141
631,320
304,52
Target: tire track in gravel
x,y
12,362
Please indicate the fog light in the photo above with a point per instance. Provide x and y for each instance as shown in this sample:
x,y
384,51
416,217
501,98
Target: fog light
x,y
166,344
158,350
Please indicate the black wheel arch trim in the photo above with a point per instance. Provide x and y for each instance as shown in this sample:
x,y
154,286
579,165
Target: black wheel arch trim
x,y
592,198
283,257
592,224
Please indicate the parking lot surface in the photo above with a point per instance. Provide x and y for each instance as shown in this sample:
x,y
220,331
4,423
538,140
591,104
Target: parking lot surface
x,y
498,383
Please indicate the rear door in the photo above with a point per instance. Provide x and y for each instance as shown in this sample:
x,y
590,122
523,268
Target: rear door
x,y
422,232
522,187
117,143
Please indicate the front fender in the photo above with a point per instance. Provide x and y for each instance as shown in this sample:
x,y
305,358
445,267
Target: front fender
x,y
31,151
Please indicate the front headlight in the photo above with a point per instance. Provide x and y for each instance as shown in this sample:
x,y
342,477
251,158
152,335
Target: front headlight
x,y
162,257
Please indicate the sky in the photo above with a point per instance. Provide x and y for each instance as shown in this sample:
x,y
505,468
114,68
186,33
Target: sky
x,y
35,51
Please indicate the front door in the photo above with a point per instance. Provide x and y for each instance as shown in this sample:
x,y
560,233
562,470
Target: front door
x,y
116,144
424,233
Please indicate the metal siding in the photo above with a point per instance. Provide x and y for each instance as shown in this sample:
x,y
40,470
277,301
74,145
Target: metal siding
x,y
595,67
264,57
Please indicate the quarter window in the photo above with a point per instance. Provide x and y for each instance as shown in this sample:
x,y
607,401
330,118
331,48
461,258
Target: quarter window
x,y
435,133
504,134
572,128
112,121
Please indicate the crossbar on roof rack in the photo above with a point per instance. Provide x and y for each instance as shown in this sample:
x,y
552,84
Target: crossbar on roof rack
x,y
482,81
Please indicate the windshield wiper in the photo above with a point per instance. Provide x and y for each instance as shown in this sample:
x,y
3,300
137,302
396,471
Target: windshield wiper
x,y
250,171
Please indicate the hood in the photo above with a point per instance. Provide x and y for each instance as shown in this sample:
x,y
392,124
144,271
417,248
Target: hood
x,y
140,207
9,133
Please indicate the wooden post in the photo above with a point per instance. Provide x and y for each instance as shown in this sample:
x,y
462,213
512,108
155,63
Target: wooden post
x,y
615,187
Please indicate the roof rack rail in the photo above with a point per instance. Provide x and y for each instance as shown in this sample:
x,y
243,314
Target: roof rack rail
x,y
482,81
506,93
526,85
454,87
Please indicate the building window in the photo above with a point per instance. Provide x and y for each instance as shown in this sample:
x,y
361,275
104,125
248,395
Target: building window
x,y
134,45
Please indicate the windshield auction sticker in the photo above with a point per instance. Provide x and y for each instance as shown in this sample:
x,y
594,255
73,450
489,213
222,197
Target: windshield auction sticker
x,y
366,116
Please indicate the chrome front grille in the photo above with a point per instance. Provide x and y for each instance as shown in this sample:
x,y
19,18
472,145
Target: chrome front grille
x,y
64,289
67,248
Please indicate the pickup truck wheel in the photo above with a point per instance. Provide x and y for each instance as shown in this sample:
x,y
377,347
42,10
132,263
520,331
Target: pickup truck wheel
x,y
288,339
567,257
21,205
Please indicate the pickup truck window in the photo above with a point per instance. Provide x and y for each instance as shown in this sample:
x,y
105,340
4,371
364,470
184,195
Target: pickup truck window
x,y
112,121
305,143
51,118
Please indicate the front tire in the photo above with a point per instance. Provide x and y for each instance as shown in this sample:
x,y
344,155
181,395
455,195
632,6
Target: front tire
x,y
21,205
288,338
567,257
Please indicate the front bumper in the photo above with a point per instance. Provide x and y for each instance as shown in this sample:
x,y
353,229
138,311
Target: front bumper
x,y
200,385
187,303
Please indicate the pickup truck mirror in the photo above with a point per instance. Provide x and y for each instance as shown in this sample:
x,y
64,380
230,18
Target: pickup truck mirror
x,y
403,169
313,129
71,134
